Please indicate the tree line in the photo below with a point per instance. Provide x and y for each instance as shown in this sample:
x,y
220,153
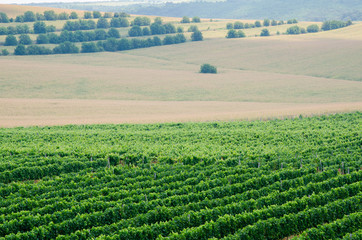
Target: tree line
x,y
256,24
110,44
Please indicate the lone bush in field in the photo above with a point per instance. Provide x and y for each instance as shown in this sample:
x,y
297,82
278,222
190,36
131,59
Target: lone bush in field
x,y
264,33
207,68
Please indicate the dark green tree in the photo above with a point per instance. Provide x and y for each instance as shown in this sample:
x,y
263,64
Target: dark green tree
x,y
264,33
20,50
4,18
103,23
207,68
66,47
107,15
39,27
266,23
257,24
168,40
3,31
229,26
146,31
196,20
294,30
185,20
42,39
113,33
180,29
197,36
170,28
193,28
96,14
274,23
100,34
25,39
38,50
158,20
50,15
238,25
87,15
135,31
110,45
4,52
11,40
124,44
73,15
63,16
22,28
29,16
89,47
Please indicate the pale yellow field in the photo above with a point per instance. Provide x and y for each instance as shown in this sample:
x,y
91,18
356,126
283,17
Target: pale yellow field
x,y
258,77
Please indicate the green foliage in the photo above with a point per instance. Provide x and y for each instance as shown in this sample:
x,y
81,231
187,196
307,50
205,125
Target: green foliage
x,y
103,23
180,29
232,33
29,16
193,28
73,15
313,28
266,23
38,50
50,15
25,39
89,47
66,47
87,15
207,68
11,40
158,20
294,30
39,27
20,50
196,20
4,52
63,16
213,180
42,39
113,33
141,21
333,24
264,33
185,20
257,24
229,26
4,18
119,22
197,36
135,31
274,23
96,14
238,25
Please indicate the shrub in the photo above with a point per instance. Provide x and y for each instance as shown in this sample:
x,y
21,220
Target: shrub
x,y
24,39
135,31
294,30
87,15
229,26
313,28
103,23
197,36
196,20
20,50
238,25
257,24
193,28
180,30
5,52
113,33
235,34
185,20
264,33
207,68
266,23
66,47
39,27
11,41
38,50
96,14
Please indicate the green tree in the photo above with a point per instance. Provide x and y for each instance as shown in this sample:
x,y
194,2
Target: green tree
x,y
87,15
229,26
66,47
193,28
89,47
113,33
180,29
3,31
22,28
207,68
146,31
168,40
50,15
135,31
157,29
197,36
294,30
110,45
158,20
185,20
257,24
25,39
29,16
4,18
63,16
5,52
103,23
11,40
232,33
20,50
264,33
100,34
42,39
196,20
266,23
73,15
274,23
238,25
96,14
39,27
37,50
107,15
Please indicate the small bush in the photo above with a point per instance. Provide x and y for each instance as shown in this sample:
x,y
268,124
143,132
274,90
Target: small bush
x,y
207,68
264,32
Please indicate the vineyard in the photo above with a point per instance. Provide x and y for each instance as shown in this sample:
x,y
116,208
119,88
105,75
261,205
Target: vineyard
x,y
295,178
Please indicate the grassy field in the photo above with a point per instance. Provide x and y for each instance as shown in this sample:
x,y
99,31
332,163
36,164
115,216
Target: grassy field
x,y
259,77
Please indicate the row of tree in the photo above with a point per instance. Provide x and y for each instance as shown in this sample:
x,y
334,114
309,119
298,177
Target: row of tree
x,y
111,45
154,29
326,26
30,16
186,19
265,23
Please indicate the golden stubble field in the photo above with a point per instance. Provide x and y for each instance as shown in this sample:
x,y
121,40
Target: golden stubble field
x,y
259,78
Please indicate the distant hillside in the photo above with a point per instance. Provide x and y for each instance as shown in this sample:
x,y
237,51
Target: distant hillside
x,y
307,10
